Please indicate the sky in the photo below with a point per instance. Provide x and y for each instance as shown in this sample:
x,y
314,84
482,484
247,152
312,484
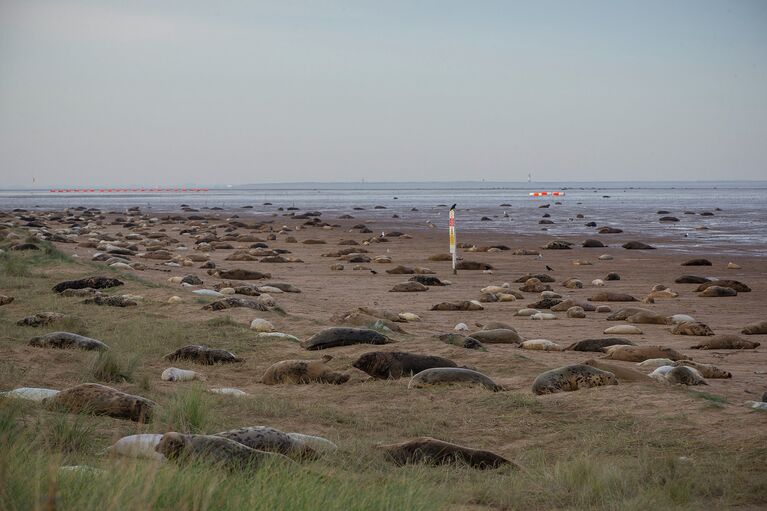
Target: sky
x,y
151,92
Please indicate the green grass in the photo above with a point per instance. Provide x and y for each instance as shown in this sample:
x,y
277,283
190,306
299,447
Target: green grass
x,y
24,263
187,411
66,434
107,367
713,399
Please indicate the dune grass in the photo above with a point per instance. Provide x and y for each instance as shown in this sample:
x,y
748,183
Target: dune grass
x,y
360,478
23,263
107,367
187,411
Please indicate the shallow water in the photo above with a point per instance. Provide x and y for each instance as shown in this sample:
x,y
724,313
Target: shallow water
x,y
740,226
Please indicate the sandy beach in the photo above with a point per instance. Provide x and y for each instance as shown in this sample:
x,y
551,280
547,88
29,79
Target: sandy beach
x,y
701,423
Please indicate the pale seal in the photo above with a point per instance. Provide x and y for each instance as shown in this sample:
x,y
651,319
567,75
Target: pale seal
x,y
137,446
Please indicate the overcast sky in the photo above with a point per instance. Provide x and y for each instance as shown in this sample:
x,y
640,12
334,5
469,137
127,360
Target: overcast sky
x,y
163,92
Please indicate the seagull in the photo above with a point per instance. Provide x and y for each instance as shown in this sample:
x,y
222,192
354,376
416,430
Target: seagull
x,y
549,268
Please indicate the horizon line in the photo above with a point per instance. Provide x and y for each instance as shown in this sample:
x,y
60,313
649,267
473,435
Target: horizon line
x,y
220,186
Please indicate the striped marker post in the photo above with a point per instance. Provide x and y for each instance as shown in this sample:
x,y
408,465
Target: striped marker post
x,y
453,251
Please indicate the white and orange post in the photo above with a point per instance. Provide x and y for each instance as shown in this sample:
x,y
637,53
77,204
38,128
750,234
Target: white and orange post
x,y
453,251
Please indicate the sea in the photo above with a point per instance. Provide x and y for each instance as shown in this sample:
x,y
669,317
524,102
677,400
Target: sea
x,y
725,217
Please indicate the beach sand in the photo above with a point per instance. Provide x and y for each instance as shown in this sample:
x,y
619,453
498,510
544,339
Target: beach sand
x,y
363,411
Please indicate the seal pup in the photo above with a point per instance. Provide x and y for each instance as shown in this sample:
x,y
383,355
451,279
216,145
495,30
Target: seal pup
x,y
338,336
30,393
202,354
396,364
571,378
137,446
67,340
317,443
214,449
438,452
451,376
726,342
654,363
102,400
264,438
303,371
541,345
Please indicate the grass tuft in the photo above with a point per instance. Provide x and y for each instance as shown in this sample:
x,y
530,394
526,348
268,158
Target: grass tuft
x,y
108,368
65,433
187,411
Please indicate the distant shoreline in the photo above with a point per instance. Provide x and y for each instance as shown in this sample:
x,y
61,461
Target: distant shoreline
x,y
418,185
